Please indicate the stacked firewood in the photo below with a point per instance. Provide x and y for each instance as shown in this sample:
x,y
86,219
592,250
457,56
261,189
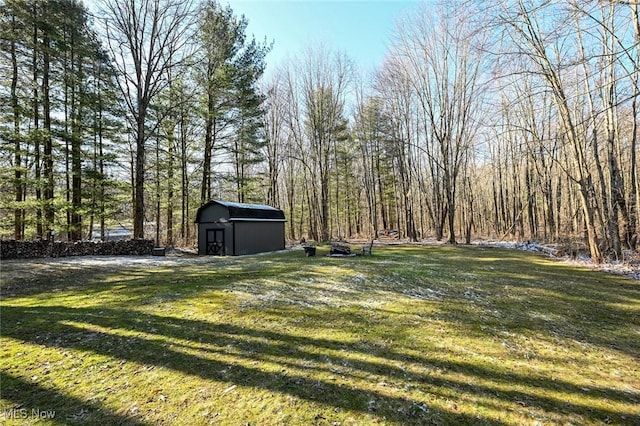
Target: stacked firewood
x,y
12,249
340,249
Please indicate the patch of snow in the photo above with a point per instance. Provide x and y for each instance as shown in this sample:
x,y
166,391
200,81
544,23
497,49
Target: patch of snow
x,y
306,292
359,278
469,293
424,293
20,270
629,268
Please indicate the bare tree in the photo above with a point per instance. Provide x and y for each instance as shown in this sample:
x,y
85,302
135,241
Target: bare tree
x,y
542,51
395,86
147,38
438,57
369,133
325,77
276,135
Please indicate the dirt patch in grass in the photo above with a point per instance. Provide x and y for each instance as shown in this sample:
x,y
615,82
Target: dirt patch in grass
x,y
410,335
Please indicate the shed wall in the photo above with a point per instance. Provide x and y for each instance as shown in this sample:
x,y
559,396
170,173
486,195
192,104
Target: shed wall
x,y
258,237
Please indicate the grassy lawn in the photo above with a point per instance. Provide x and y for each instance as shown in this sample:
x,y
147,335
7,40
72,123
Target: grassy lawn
x,y
411,335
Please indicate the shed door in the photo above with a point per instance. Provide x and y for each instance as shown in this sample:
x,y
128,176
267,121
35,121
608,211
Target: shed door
x,y
215,242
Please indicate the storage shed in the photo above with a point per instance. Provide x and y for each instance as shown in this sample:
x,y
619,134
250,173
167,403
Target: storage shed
x,y
227,228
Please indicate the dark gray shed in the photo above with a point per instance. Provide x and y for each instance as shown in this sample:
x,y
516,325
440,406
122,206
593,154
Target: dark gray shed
x,y
226,228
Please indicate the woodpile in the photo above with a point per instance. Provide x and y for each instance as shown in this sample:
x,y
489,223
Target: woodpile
x,y
12,249
340,249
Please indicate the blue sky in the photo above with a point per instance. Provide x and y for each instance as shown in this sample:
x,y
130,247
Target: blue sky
x,y
360,28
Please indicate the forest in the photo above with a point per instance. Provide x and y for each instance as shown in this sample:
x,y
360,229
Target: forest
x,y
501,119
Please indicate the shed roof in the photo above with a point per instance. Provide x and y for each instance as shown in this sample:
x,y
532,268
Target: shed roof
x,y
243,211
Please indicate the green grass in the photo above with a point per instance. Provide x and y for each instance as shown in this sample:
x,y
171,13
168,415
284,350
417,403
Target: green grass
x,y
410,335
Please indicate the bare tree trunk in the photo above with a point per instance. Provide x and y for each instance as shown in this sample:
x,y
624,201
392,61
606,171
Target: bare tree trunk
x,y
36,124
210,124
68,87
76,157
157,190
47,158
140,164
184,178
617,203
18,217
634,196
102,211
170,197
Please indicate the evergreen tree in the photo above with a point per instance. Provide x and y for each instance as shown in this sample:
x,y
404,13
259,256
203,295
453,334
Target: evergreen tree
x,y
228,70
52,57
249,139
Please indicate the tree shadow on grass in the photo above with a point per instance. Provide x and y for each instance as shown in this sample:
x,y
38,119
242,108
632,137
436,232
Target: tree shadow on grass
x,y
29,399
496,288
586,306
135,279
299,358
50,327
521,292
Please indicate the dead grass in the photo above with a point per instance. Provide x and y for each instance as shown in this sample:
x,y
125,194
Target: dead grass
x,y
411,335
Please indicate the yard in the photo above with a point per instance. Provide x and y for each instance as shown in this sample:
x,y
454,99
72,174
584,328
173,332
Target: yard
x,y
410,335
